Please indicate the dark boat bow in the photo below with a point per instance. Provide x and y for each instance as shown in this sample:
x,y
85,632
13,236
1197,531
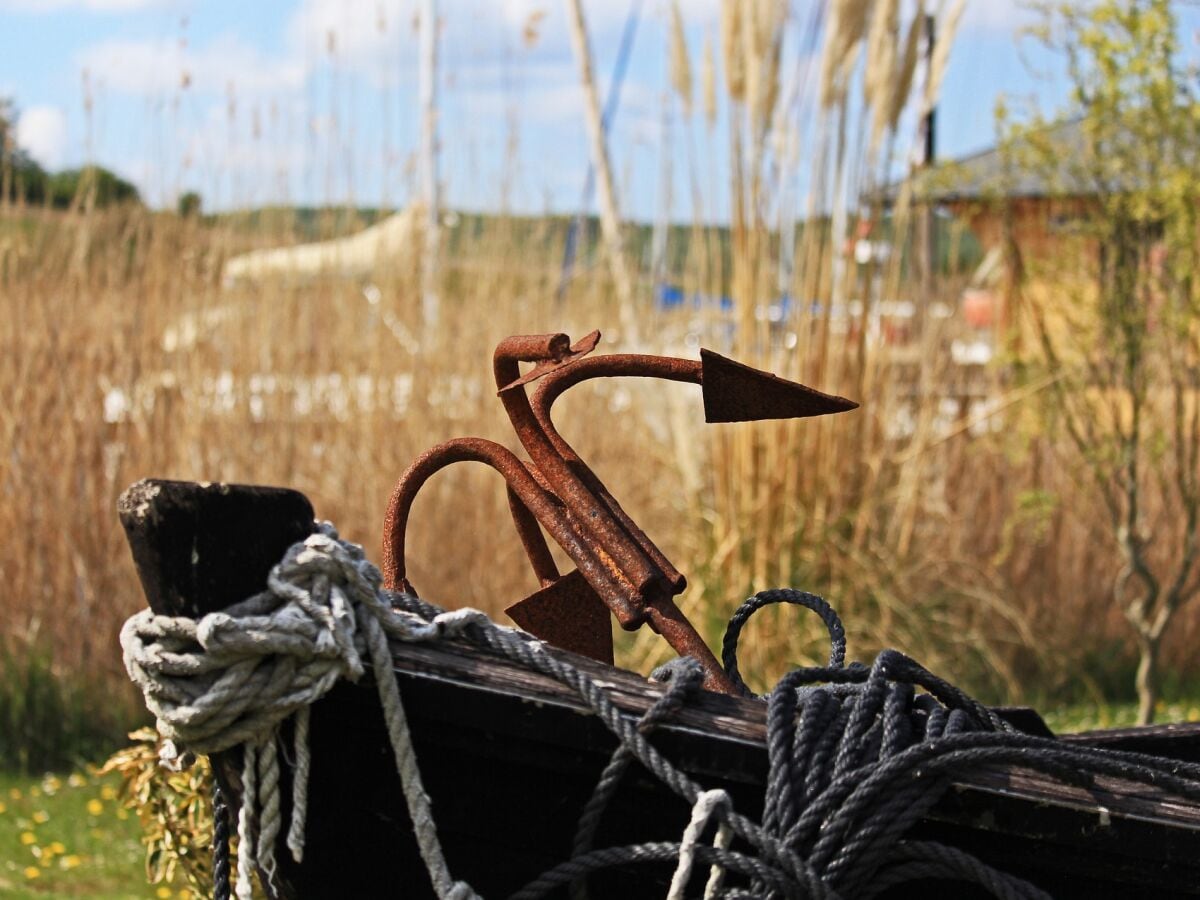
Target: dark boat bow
x,y
510,756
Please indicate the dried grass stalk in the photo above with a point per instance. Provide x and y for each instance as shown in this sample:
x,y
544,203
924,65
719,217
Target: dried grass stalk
x,y
847,23
708,84
681,66
732,50
880,72
762,37
941,52
902,84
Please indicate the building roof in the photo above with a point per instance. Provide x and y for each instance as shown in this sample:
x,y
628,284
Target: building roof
x,y
992,173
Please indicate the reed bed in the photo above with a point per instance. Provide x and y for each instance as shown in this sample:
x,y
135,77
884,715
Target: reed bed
x,y
125,358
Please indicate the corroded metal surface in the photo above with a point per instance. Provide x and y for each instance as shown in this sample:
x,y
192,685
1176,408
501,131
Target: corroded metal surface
x,y
619,568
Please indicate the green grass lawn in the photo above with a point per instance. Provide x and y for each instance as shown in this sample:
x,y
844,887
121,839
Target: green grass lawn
x,y
68,836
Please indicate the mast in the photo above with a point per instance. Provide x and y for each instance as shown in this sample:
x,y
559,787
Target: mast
x,y
662,218
430,195
926,223
610,222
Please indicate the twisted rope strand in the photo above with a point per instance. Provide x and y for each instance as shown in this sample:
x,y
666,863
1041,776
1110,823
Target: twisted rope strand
x,y
222,886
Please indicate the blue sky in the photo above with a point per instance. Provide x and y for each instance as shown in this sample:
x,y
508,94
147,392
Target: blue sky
x,y
314,100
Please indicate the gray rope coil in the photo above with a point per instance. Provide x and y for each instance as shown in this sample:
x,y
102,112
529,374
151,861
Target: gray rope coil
x,y
857,754
683,678
857,757
733,631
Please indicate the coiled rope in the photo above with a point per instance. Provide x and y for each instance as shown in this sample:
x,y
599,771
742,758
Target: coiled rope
x,y
233,677
857,755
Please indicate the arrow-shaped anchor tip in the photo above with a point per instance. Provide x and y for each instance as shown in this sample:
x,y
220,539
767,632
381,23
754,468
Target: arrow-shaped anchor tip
x,y
734,392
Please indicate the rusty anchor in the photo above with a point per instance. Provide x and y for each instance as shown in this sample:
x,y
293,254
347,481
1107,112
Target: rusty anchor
x,y
619,570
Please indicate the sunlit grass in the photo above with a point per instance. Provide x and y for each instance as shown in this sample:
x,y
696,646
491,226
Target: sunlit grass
x,y
1094,716
69,836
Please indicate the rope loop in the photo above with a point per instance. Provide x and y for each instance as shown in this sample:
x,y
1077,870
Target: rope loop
x,y
733,631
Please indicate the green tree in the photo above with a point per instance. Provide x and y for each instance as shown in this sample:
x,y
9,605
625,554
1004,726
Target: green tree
x,y
89,184
190,204
20,176
1121,328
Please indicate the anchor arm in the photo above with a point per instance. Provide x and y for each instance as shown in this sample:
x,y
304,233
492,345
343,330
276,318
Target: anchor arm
x,y
554,353
732,392
616,365
532,499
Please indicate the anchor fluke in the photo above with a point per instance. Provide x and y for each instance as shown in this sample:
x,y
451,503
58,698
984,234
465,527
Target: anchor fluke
x,y
734,392
568,613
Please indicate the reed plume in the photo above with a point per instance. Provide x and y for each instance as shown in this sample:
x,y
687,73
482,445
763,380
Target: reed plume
x,y
708,84
732,53
847,22
762,39
879,75
902,84
681,66
941,52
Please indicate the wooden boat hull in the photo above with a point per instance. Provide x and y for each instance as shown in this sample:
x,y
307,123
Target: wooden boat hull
x,y
510,757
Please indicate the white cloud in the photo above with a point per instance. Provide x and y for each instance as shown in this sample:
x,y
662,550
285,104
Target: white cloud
x,y
53,6
363,35
378,37
996,15
42,131
334,51
155,68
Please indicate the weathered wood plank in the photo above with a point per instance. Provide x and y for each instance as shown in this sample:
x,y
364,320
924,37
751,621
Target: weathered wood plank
x,y
199,547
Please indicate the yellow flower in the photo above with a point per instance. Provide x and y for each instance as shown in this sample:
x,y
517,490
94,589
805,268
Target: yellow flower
x,y
94,807
185,894
41,817
57,847
32,872
122,813
76,780
14,794
3,808
51,784
70,862
35,791
28,838
108,793
163,892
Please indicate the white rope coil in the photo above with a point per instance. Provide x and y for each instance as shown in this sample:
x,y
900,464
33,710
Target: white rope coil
x,y
708,804
231,678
